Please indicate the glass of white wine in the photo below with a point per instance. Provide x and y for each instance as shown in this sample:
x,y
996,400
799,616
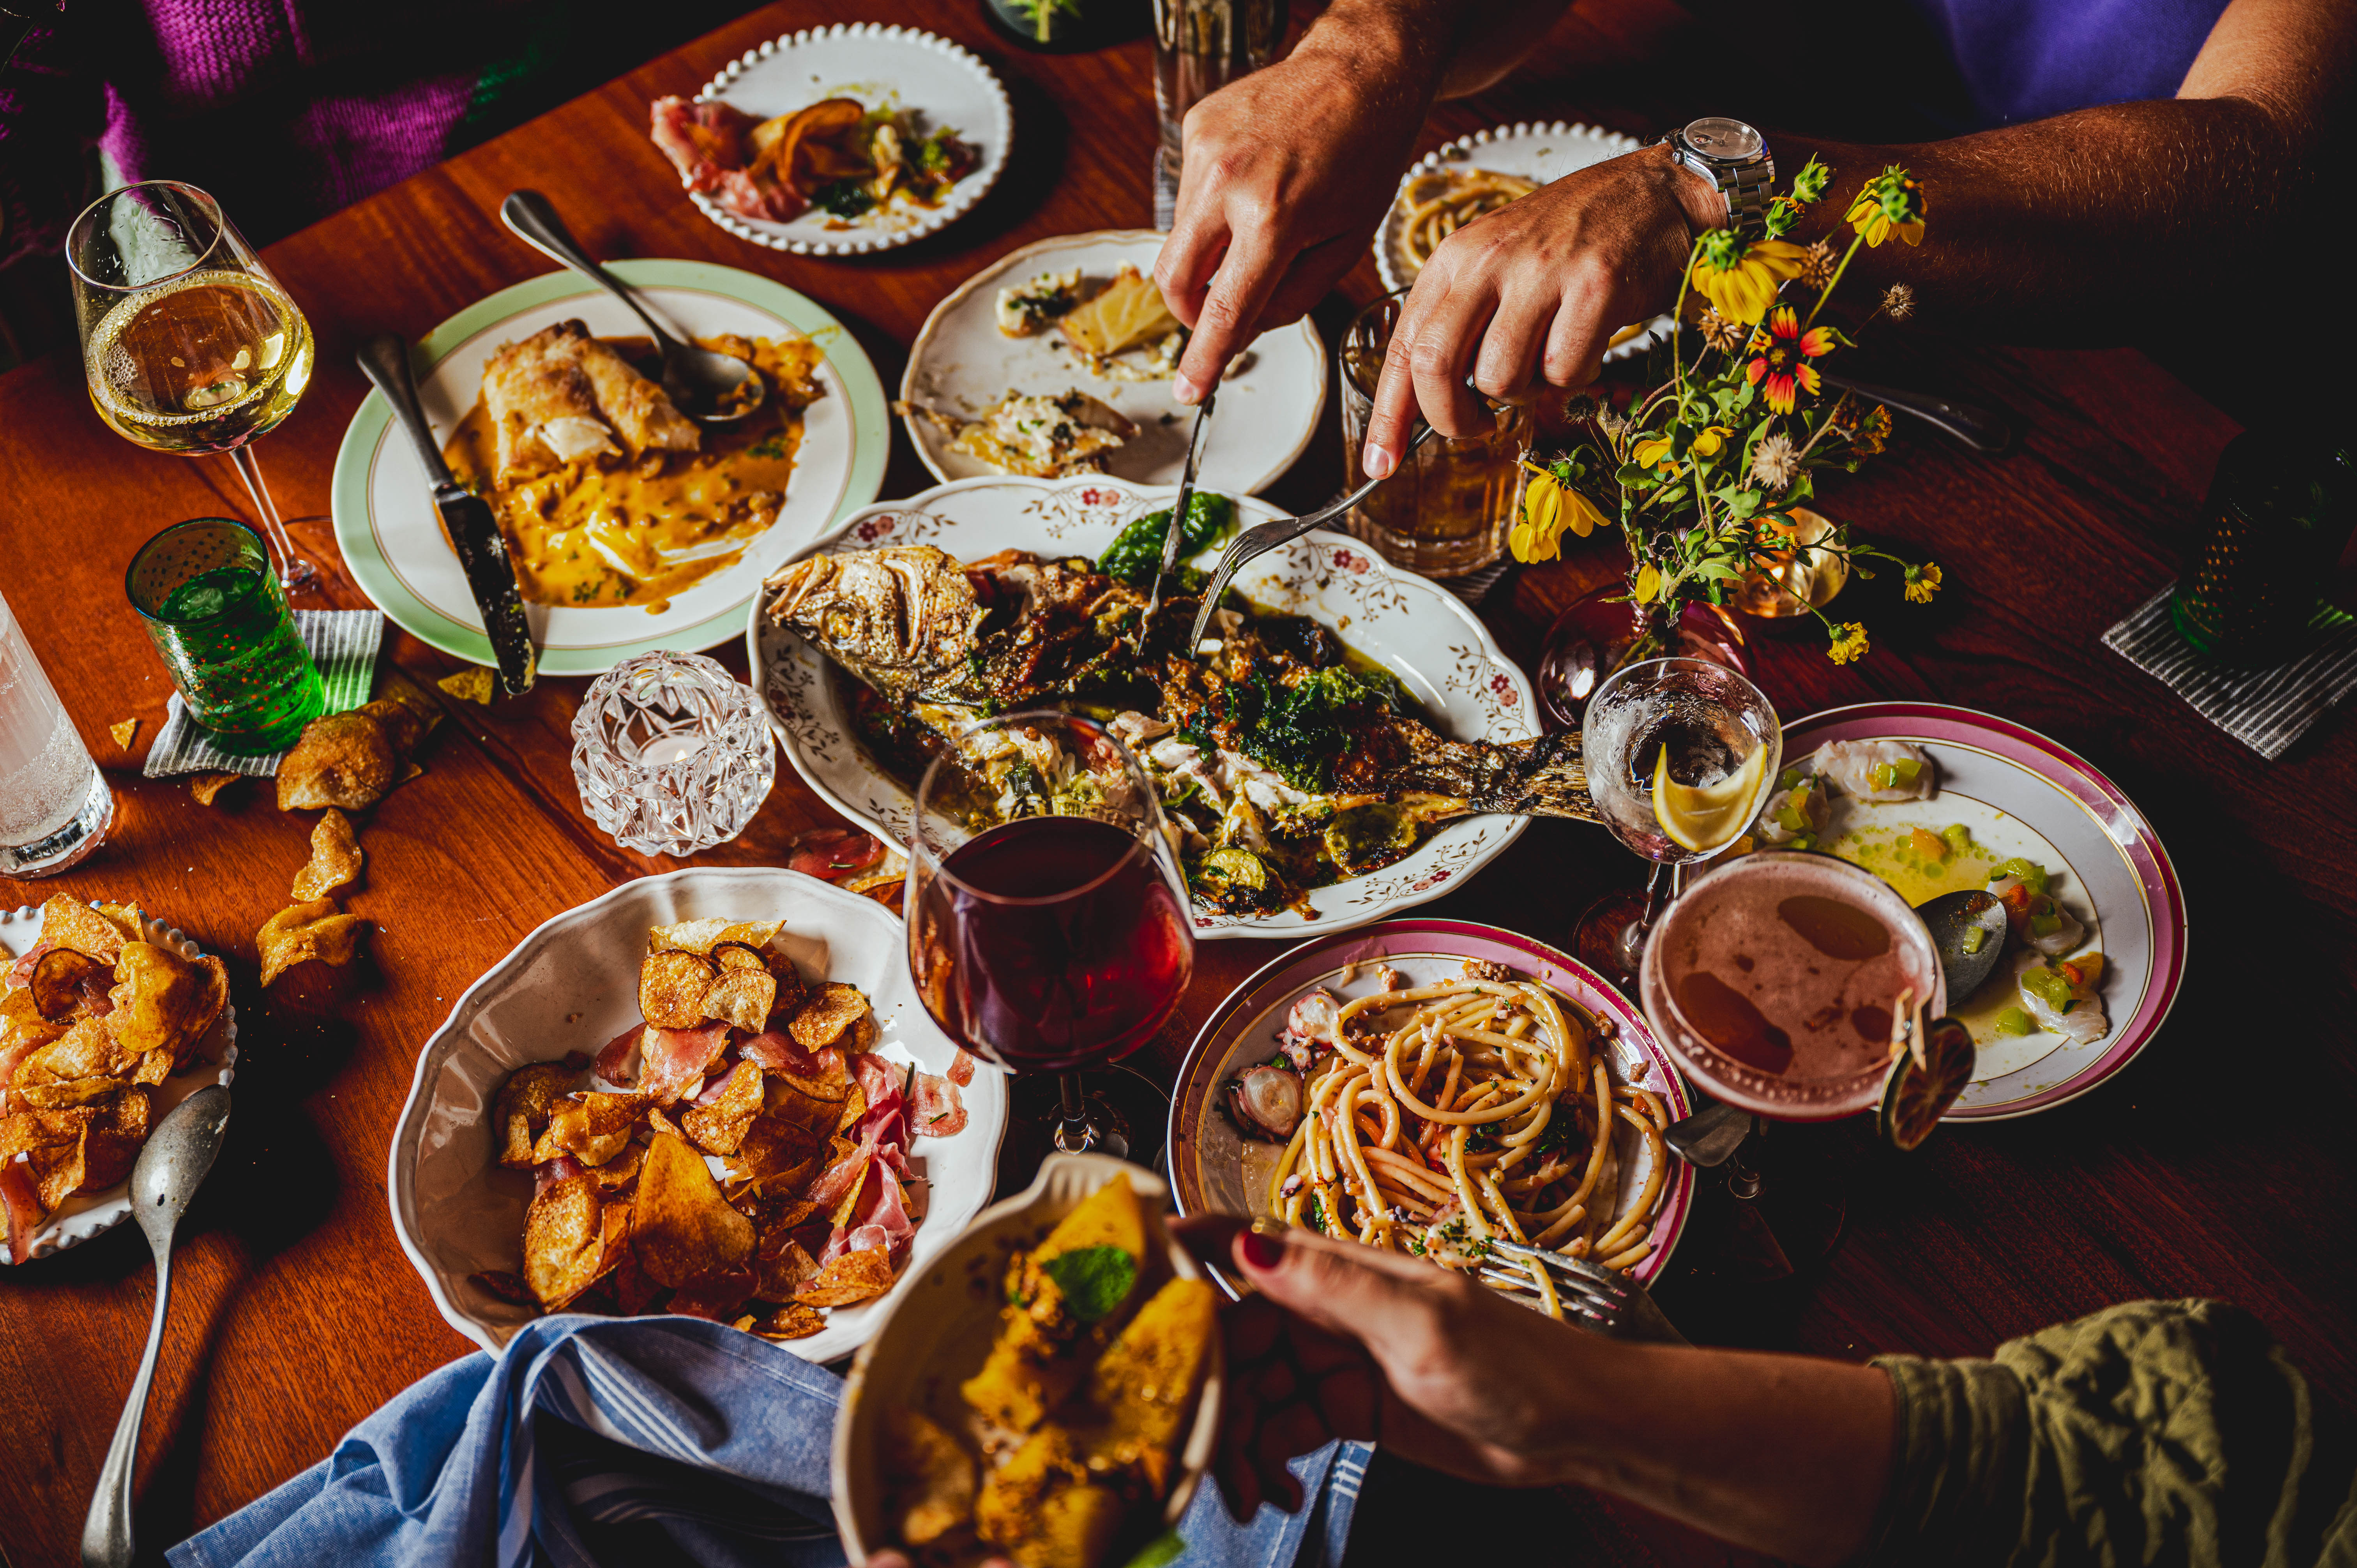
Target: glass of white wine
x,y
189,344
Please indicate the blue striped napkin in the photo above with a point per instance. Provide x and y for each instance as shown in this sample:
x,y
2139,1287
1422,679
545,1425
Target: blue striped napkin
x,y
343,644
2265,709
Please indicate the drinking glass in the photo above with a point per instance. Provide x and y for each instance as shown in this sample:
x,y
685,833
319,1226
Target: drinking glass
x,y
218,617
55,805
1716,728
1448,509
189,344
1047,925
1199,46
672,754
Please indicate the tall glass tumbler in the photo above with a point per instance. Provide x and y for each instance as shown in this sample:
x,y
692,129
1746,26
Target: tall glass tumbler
x,y
55,805
215,610
1449,509
1199,46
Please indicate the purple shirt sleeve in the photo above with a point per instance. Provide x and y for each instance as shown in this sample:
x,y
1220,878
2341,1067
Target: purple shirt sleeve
x,y
2027,59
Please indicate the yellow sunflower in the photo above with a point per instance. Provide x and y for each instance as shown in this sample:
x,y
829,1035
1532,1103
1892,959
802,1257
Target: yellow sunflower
x,y
1741,283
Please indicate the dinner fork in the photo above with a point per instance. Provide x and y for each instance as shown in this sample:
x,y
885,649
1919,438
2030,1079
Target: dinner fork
x,y
1603,1299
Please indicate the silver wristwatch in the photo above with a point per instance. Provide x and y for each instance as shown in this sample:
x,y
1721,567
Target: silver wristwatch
x,y
1734,157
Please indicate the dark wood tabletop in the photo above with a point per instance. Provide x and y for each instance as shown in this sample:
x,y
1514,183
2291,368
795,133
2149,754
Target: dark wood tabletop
x,y
2219,1164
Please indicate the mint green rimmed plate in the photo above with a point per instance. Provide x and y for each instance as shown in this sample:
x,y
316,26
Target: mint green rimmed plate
x,y
392,542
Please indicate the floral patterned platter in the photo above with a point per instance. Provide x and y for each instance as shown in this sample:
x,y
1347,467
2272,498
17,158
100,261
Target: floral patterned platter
x,y
1420,631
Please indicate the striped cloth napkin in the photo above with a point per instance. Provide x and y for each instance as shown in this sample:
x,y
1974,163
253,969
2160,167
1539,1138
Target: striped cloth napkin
x,y
343,644
2265,709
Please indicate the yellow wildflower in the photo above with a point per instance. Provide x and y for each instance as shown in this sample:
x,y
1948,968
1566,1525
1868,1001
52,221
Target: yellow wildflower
x,y
1649,584
1706,443
1655,451
1850,642
1742,285
1922,582
1548,509
1889,204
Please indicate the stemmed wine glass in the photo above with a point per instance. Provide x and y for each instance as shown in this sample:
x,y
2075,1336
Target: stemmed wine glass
x,y
1048,923
190,343
1680,754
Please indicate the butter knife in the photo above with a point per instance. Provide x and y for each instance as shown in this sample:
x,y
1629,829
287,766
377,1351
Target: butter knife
x,y
1172,535
474,533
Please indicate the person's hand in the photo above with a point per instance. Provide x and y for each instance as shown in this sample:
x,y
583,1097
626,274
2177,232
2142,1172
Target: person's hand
x,y
1287,173
1531,293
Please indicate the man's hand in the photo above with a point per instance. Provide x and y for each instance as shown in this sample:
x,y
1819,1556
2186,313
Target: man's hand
x,y
1531,293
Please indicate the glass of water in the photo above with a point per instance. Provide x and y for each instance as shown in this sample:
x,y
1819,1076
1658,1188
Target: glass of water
x,y
1199,46
672,754
55,805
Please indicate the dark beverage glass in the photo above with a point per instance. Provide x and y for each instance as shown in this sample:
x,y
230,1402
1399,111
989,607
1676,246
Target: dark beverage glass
x,y
1057,940
215,610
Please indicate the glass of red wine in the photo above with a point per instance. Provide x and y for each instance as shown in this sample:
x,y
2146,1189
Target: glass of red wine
x,y
1047,924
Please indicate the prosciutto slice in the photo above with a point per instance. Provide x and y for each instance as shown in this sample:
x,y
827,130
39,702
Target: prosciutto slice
x,y
775,1050
548,1172
674,1061
937,1112
705,143
962,1069
22,1202
881,1220
618,1063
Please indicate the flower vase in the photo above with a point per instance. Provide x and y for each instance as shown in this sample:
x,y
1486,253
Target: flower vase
x,y
1605,630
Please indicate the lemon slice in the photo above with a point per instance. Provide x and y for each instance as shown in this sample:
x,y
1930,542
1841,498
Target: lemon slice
x,y
1704,817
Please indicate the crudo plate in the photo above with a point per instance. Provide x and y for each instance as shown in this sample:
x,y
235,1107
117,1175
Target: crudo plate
x,y
1420,631
392,541
962,364
87,1214
572,985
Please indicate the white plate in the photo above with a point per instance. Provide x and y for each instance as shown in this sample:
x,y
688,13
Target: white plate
x,y
1542,152
391,540
1419,630
963,364
890,68
572,985
87,1214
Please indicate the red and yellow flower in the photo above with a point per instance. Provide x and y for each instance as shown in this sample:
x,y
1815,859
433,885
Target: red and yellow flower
x,y
1780,355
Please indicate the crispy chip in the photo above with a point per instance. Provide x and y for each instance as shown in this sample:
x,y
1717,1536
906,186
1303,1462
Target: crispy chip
x,y
65,1094
855,1106
26,1130
473,686
563,1243
680,1228
781,1265
521,1108
826,1018
123,733
754,934
687,936
21,1025
593,1128
661,1122
717,1296
343,759
404,708
672,986
111,1143
335,858
740,996
617,1176
720,1127
88,1049
207,787
164,1002
57,979
791,1321
863,1035
99,930
736,955
504,1286
305,933
852,1277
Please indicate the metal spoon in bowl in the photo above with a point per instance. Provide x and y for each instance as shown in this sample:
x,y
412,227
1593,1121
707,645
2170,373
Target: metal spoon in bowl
x,y
1952,917
712,389
165,1177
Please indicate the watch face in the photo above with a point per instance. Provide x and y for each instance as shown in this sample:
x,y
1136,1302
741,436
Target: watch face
x,y
1729,141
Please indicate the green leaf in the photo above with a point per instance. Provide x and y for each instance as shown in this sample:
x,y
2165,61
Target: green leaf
x,y
1164,1548
1093,1281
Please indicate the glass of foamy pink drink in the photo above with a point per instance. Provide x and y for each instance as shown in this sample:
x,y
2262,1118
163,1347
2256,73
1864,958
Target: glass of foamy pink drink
x,y
1774,980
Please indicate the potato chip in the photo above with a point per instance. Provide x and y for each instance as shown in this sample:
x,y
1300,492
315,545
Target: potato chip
x,y
593,1128
563,1243
717,1296
720,1127
848,1205
791,1321
21,1025
617,1176
863,1035
112,1141
207,787
335,858
63,1094
26,1130
754,934
521,1111
473,686
672,987
123,733
312,932
687,936
680,1228
855,1106
99,930
852,1277
501,1286
781,1265
56,982
164,1002
662,1123
826,1018
741,996
635,1291
88,1049
406,709
343,759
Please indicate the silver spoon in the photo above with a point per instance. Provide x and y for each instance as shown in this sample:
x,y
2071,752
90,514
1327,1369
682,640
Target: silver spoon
x,y
1952,917
714,388
165,1177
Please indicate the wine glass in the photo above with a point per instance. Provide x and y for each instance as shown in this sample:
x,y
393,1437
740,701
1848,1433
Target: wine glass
x,y
1680,754
1047,924
189,344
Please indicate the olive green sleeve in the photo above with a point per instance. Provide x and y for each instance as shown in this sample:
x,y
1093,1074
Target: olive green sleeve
x,y
2155,1432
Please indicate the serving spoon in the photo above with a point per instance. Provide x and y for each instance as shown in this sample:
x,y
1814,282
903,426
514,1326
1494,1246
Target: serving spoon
x,y
712,389
164,1178
1950,918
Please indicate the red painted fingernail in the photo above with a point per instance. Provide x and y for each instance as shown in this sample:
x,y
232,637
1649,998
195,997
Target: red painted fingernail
x,y
1263,1252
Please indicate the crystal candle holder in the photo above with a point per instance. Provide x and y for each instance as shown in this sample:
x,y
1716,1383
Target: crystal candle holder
x,y
672,754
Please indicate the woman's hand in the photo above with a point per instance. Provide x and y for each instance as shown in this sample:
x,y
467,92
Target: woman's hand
x,y
1531,293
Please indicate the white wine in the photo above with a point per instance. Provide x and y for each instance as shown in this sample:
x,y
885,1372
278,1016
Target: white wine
x,y
201,364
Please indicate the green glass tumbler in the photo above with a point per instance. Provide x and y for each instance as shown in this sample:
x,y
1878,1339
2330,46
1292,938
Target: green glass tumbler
x,y
215,611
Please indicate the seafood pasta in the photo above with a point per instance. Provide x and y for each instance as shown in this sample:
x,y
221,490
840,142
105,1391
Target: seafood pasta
x,y
1434,1118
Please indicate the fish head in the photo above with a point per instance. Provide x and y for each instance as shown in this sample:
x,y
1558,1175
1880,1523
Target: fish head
x,y
904,617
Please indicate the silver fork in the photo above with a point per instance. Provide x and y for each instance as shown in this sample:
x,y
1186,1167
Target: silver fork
x,y
1603,1299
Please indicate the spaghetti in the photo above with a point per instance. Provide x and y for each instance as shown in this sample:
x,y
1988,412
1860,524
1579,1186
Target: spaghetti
x,y
1445,200
1439,1117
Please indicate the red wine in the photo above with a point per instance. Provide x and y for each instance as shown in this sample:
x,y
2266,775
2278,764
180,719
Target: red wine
x,y
1065,946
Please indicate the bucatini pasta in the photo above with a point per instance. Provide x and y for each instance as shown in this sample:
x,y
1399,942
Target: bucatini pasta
x,y
1445,200
1434,1118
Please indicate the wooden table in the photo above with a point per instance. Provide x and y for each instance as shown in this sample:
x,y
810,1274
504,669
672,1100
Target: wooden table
x,y
2219,1165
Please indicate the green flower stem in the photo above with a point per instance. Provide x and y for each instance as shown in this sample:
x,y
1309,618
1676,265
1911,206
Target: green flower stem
x,y
1855,240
